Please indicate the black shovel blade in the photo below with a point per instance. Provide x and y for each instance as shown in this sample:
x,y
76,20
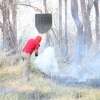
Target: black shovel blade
x,y
43,22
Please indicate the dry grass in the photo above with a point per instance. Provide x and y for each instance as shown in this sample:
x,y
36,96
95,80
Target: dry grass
x,y
46,87
6,60
11,77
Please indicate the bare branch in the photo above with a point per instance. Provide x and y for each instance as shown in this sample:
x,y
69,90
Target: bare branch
x,y
28,5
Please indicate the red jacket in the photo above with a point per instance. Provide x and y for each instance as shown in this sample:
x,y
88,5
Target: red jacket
x,y
32,45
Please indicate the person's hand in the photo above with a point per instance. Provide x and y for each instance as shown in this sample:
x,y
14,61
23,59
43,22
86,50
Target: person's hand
x,y
36,52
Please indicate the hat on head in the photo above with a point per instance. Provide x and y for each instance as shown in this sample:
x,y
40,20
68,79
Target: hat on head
x,y
38,38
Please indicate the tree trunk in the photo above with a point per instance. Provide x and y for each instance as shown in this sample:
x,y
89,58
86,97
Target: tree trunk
x,y
66,18
79,45
9,25
65,33
45,5
60,21
97,23
86,25
89,6
62,47
47,42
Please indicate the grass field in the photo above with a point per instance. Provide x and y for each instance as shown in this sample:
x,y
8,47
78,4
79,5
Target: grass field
x,y
39,88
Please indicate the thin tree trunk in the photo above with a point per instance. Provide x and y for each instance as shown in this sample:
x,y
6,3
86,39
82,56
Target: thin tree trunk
x,y
62,37
60,21
66,18
97,23
86,24
74,11
66,37
47,42
89,6
45,5
59,44
79,45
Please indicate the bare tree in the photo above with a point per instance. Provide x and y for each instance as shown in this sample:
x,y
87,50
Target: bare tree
x,y
8,9
80,34
65,33
97,23
66,19
86,24
84,34
45,5
62,43
60,21
47,43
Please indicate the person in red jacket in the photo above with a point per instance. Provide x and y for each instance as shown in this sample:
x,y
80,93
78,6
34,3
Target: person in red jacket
x,y
31,46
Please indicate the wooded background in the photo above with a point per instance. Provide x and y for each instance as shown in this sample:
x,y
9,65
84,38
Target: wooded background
x,y
76,24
